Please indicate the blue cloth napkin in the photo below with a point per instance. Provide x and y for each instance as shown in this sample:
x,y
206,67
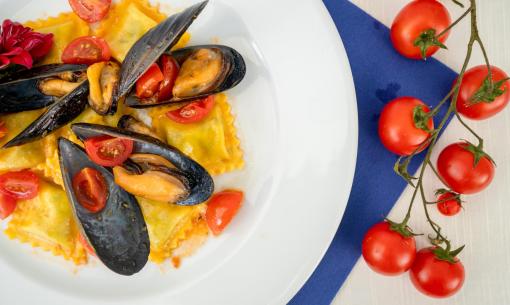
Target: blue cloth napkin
x,y
380,75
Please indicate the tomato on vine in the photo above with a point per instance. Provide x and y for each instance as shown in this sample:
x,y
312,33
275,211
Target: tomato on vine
x,y
418,30
388,248
448,203
404,125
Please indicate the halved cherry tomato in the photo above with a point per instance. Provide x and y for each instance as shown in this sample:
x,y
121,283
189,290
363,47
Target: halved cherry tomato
x,y
86,245
170,69
90,10
7,205
90,189
222,207
3,129
86,50
19,185
108,151
148,84
193,112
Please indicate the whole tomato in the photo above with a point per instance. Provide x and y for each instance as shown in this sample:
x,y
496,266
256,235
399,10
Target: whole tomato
x,y
448,203
435,277
398,129
456,165
387,251
477,100
414,30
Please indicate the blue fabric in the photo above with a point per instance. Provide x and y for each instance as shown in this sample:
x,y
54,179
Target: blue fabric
x,y
380,74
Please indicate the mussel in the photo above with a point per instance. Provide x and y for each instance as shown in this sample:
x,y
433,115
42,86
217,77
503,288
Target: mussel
x,y
38,87
128,122
117,233
103,81
205,70
56,115
155,170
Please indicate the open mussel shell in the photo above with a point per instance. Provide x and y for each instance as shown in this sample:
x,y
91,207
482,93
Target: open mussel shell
x,y
199,182
19,91
231,73
57,115
117,233
150,47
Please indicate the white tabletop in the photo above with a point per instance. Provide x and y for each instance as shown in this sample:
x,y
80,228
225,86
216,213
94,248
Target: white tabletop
x,y
484,225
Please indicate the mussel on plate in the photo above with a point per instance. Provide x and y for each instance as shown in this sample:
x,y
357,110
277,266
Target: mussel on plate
x,y
155,170
117,232
103,81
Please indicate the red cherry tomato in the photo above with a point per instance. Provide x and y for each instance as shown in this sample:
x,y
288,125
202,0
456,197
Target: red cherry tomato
x,y
19,185
387,251
170,69
3,129
148,84
86,50
90,10
435,277
414,19
108,151
456,166
7,205
397,129
193,112
222,207
86,245
448,204
471,83
90,189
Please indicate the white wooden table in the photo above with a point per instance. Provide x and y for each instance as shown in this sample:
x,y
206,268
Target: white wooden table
x,y
484,225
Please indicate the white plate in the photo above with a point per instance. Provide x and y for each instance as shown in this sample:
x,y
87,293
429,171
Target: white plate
x,y
296,116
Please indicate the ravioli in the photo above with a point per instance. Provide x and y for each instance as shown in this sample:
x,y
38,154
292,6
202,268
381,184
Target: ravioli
x,y
46,221
65,28
169,225
211,142
127,22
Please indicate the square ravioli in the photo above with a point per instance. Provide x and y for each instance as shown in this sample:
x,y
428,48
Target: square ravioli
x,y
211,142
127,22
65,28
47,221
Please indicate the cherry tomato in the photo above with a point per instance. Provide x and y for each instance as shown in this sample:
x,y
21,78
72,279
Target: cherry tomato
x,y
448,204
413,20
86,50
3,129
90,10
90,189
456,165
471,83
193,112
86,245
23,184
170,69
108,151
7,205
387,251
397,129
222,207
148,84
435,277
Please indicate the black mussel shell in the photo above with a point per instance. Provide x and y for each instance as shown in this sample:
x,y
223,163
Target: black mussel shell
x,y
150,47
200,183
19,90
57,115
117,233
233,63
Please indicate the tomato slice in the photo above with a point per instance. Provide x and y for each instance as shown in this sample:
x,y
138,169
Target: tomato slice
x,y
7,205
86,50
3,129
19,185
148,84
222,207
170,69
108,151
90,10
193,112
86,245
90,189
